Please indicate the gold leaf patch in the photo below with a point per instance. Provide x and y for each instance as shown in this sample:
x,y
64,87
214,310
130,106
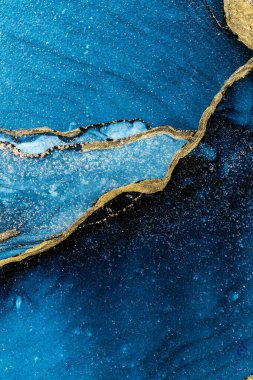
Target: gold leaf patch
x,y
239,16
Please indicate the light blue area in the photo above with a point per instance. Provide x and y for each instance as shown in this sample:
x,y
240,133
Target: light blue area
x,y
71,63
39,143
43,197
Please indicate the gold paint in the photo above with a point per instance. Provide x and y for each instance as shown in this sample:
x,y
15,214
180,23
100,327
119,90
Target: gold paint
x,y
112,214
70,134
94,145
249,378
145,186
239,17
8,234
240,73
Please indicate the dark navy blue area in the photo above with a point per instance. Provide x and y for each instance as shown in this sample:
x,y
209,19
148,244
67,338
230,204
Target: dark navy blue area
x,y
71,63
237,105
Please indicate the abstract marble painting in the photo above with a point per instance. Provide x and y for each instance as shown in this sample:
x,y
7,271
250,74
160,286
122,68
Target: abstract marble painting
x,y
126,247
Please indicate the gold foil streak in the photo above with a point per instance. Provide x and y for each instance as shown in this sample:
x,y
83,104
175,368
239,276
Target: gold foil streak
x,y
8,234
239,17
94,145
145,186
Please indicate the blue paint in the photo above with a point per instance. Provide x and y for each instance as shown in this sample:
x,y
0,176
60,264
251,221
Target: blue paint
x,y
150,294
43,197
66,64
40,143
163,291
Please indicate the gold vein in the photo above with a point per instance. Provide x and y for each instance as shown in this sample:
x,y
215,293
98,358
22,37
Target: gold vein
x,y
239,17
70,134
8,234
95,145
145,186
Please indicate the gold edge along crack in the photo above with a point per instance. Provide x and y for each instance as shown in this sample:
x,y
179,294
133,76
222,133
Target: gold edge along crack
x,y
145,186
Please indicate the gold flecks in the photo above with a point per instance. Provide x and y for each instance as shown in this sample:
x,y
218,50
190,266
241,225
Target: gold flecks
x,y
69,134
146,186
239,17
94,145
8,234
